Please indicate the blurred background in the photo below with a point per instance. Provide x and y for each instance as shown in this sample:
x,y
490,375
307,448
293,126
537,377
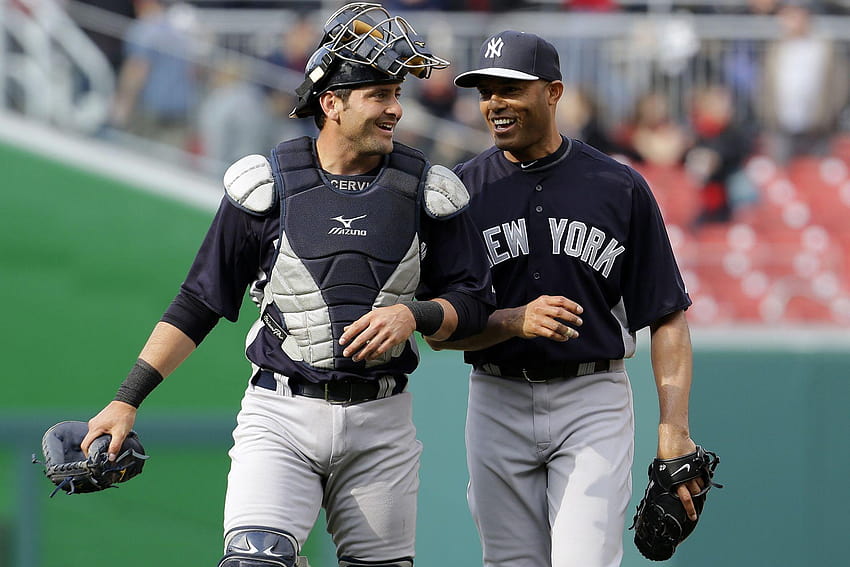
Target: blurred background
x,y
118,117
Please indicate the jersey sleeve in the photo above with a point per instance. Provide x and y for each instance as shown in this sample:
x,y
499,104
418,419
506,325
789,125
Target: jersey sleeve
x,y
455,262
227,262
652,284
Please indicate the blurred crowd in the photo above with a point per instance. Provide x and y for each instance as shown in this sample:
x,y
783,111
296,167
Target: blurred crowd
x,y
794,90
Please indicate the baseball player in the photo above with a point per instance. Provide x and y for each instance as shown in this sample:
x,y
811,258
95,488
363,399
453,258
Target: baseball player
x,y
550,428
344,230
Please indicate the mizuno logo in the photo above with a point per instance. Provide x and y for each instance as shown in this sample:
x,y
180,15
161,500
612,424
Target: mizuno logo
x,y
494,48
347,222
345,229
685,468
268,552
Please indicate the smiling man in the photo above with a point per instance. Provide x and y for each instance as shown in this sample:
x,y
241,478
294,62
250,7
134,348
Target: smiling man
x,y
576,241
348,243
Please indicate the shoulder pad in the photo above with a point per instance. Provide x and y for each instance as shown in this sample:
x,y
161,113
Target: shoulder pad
x,y
250,184
445,193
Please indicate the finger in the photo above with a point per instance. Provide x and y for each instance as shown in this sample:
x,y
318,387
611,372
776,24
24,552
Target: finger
x,y
380,345
353,330
115,445
87,441
360,346
570,333
569,305
367,349
376,348
354,338
355,348
697,485
95,431
561,333
569,317
688,502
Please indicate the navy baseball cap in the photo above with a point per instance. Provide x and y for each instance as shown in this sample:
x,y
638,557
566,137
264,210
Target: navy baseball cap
x,y
514,55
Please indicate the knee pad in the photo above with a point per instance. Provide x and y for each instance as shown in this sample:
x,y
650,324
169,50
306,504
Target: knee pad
x,y
259,547
403,562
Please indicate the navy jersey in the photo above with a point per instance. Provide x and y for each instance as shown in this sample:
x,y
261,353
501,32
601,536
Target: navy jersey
x,y
240,249
580,225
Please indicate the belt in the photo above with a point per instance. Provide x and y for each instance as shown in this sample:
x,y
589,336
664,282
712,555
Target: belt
x,y
337,391
549,371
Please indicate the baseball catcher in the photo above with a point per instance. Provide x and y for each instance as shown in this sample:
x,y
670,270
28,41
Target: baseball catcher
x,y
661,522
70,470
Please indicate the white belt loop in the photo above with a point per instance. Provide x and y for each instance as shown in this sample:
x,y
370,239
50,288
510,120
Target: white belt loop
x,y
284,385
386,385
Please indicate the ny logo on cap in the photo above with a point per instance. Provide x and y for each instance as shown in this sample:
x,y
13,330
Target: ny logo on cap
x,y
494,47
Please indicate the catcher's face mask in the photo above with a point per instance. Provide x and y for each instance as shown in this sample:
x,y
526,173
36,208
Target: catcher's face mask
x,y
363,45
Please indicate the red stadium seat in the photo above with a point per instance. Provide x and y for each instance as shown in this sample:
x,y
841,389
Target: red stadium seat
x,y
785,259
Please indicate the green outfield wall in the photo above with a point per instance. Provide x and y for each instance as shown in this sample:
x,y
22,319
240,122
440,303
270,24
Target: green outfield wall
x,y
87,265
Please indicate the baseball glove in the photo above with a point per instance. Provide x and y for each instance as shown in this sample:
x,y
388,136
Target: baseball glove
x,y
661,522
70,470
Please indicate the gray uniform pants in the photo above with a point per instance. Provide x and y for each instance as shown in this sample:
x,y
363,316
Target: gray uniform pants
x,y
293,455
550,468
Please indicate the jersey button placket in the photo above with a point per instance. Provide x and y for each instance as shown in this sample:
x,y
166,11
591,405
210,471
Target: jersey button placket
x,y
538,209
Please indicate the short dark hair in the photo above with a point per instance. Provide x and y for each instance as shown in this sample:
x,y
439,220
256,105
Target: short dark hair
x,y
319,117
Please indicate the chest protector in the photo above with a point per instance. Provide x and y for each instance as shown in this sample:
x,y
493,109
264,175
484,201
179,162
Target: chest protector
x,y
340,254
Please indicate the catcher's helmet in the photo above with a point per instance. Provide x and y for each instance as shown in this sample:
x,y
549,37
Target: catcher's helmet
x,y
363,45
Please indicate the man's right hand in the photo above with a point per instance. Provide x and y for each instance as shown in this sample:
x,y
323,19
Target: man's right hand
x,y
548,316
116,419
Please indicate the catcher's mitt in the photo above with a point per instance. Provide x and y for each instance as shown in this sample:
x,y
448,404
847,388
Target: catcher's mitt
x,y
70,470
661,522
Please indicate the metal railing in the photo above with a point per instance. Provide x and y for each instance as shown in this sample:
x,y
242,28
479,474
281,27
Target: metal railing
x,y
50,70
617,55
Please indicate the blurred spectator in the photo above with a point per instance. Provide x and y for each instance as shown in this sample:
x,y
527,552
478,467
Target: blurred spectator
x,y
157,85
233,119
438,97
716,159
297,43
652,136
762,7
400,5
741,62
300,5
494,5
579,117
110,44
438,94
591,5
804,88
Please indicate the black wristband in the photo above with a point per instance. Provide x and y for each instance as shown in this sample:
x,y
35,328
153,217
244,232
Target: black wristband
x,y
140,382
427,314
